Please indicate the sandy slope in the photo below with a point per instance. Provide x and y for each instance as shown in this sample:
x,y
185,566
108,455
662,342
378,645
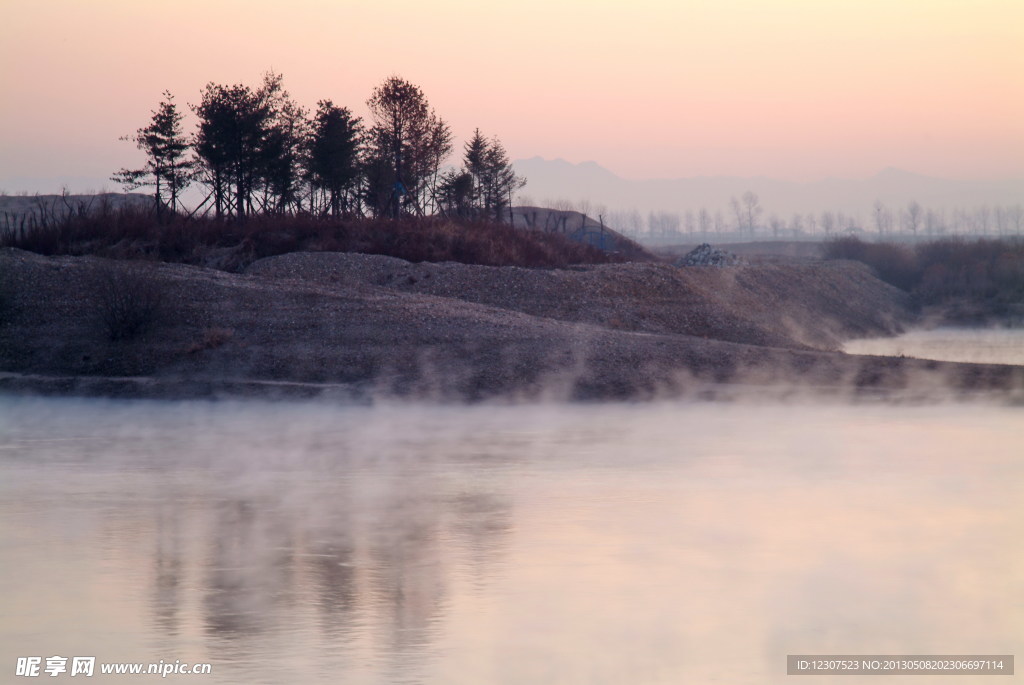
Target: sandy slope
x,y
815,304
369,326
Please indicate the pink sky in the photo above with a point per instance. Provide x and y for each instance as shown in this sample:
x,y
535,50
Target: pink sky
x,y
788,89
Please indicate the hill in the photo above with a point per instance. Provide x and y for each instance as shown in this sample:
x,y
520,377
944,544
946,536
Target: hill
x,y
579,228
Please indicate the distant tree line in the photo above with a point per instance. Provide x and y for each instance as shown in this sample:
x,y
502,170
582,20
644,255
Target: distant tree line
x,y
257,151
746,217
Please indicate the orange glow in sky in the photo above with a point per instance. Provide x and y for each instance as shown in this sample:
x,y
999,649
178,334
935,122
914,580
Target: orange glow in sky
x,y
791,89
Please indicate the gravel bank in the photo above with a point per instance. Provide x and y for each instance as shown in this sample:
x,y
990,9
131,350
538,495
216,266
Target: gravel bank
x,y
814,305
366,327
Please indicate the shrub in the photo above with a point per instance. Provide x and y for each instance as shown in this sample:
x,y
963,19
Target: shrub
x,y
895,264
127,298
981,271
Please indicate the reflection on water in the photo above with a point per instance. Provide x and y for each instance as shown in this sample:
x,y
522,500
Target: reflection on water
x,y
979,346
610,544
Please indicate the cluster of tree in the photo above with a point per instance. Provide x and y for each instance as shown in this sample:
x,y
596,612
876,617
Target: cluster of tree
x,y
256,151
486,183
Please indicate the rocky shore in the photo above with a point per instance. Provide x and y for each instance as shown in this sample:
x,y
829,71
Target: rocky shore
x,y
365,327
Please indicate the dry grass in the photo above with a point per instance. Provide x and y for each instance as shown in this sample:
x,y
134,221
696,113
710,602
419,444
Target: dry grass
x,y
131,233
211,340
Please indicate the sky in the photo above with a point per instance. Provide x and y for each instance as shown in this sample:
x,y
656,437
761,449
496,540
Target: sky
x,y
788,89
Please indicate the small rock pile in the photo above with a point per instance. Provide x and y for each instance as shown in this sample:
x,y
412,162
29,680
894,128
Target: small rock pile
x,y
705,255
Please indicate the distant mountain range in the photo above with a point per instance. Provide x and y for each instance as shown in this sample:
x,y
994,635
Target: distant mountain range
x,y
558,179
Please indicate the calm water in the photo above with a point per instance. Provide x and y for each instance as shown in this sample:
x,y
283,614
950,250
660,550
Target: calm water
x,y
670,543
991,346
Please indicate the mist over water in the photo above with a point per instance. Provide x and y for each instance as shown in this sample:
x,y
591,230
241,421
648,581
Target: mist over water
x,y
658,543
977,346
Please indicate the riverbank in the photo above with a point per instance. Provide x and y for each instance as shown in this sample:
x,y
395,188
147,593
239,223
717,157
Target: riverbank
x,y
368,327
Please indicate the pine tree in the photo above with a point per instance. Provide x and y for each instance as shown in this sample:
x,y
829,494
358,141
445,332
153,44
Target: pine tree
x,y
334,153
284,146
494,181
502,181
231,143
167,169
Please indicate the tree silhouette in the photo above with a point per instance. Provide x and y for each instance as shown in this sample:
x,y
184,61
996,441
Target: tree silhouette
x,y
912,217
491,180
284,146
258,151
167,169
334,153
231,143
408,143
456,194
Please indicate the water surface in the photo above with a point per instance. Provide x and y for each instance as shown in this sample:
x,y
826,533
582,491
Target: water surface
x,y
979,346
671,543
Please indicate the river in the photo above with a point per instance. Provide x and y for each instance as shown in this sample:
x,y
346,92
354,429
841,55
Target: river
x,y
648,543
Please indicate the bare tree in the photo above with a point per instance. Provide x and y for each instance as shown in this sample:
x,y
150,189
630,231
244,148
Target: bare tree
x,y
704,221
635,222
746,209
796,224
842,222
719,221
664,224
983,216
1015,215
880,214
1002,220
912,217
828,222
737,212
653,224
672,222
583,207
